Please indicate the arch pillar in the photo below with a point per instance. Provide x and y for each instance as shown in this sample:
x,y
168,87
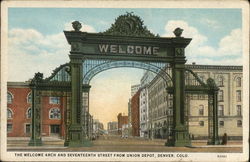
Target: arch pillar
x,y
213,137
180,136
36,137
76,131
86,116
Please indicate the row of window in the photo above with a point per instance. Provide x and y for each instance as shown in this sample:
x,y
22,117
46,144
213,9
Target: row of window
x,y
200,111
52,100
221,123
221,95
54,128
54,113
10,128
221,80
220,110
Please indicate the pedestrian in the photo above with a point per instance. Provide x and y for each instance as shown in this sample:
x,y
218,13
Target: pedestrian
x,y
224,139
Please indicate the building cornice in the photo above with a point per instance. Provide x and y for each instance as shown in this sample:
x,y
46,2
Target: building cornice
x,y
18,84
213,67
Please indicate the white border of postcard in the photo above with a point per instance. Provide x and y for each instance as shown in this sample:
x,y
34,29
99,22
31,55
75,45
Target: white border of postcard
x,y
10,156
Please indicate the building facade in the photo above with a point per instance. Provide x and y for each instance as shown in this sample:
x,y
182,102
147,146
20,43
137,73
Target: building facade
x,y
229,81
134,89
135,114
147,77
143,109
53,112
122,119
158,108
19,112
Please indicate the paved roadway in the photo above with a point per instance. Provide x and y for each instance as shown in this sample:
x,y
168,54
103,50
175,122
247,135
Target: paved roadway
x,y
107,143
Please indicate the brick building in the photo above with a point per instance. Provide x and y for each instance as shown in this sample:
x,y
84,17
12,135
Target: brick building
x,y
19,112
122,119
135,114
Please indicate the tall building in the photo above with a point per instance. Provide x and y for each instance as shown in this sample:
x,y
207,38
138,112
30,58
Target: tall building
x,y
147,77
229,81
122,119
129,118
143,109
134,89
135,114
158,108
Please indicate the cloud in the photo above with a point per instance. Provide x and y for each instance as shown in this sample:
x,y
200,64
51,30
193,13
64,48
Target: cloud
x,y
229,46
29,51
85,27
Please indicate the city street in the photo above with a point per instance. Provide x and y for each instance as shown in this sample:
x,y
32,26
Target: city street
x,y
107,143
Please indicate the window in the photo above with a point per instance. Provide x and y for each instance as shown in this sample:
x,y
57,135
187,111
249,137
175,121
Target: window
x,y
238,110
9,127
238,95
221,123
220,81
9,114
221,110
220,95
27,128
201,110
29,98
55,113
201,123
170,111
238,82
54,100
28,113
9,97
239,123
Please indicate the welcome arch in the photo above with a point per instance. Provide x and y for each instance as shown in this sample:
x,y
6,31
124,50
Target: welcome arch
x,y
93,67
128,43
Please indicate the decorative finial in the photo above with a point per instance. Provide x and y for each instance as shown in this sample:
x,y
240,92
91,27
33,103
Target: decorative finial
x,y
76,25
178,32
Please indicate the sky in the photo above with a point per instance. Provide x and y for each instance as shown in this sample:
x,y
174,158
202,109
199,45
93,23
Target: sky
x,y
36,43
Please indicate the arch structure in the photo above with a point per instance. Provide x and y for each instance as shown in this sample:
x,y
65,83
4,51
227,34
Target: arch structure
x,y
127,43
93,67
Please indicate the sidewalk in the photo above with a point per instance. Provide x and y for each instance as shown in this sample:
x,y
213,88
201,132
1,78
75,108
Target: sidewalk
x,y
28,138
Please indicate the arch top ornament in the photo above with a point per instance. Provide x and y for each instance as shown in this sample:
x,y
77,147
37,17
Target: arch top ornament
x,y
129,25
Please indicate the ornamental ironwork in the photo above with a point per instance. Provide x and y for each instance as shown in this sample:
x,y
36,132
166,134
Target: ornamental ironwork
x,y
93,67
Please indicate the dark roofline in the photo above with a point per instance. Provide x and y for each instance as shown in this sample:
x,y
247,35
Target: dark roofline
x,y
216,67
